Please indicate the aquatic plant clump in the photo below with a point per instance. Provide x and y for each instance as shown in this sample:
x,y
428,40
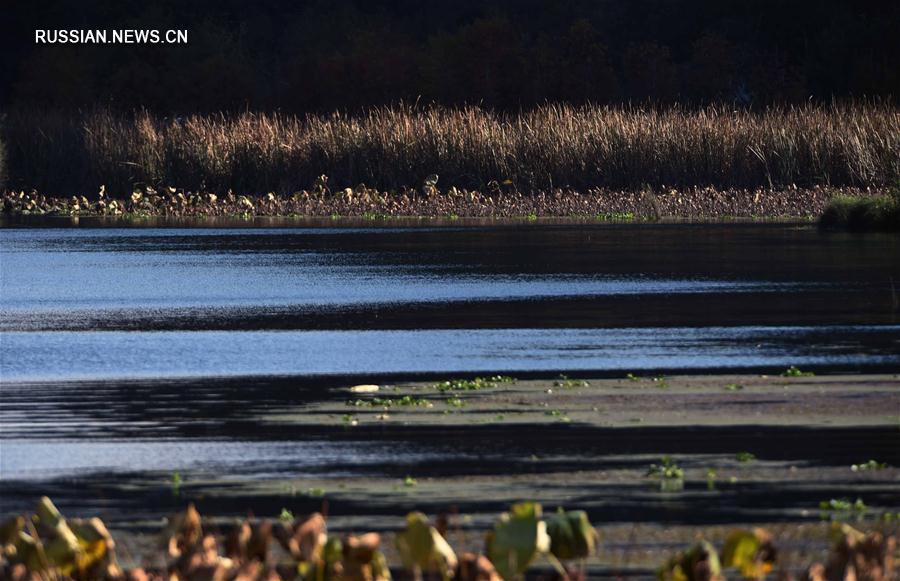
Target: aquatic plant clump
x,y
46,545
862,213
474,384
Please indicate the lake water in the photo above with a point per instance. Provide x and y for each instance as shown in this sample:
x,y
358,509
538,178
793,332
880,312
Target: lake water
x,y
124,349
213,302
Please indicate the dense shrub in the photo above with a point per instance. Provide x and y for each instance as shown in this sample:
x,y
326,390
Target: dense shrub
x,y
862,213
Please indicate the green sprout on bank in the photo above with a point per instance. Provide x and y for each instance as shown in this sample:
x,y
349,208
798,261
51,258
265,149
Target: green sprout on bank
x,y
745,457
734,387
405,401
473,384
455,402
177,481
410,482
666,469
711,479
794,371
286,515
669,474
658,380
870,466
840,508
567,383
558,414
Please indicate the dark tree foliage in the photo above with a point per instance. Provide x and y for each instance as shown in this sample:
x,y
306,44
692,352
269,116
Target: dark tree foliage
x,y
320,55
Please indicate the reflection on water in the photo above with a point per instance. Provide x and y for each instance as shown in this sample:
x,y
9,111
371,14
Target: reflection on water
x,y
47,276
199,302
42,459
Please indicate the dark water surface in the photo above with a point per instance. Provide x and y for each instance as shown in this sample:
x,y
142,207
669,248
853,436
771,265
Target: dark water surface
x,y
204,302
134,351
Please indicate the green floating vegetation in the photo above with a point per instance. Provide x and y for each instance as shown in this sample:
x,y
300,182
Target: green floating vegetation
x,y
405,401
870,466
667,468
863,213
843,505
745,457
474,384
794,371
558,414
669,474
455,402
566,382
659,381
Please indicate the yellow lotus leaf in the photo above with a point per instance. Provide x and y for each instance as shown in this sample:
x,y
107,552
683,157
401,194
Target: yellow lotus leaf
x,y
517,538
421,545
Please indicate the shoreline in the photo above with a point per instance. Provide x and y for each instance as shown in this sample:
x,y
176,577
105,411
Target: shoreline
x,y
802,205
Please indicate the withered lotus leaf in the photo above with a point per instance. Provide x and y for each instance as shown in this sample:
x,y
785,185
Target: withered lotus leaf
x,y
750,552
97,558
474,567
856,555
571,535
699,563
60,545
362,561
304,539
183,532
422,547
517,538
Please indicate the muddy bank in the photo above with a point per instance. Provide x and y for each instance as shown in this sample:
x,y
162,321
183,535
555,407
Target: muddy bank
x,y
497,202
776,446
754,450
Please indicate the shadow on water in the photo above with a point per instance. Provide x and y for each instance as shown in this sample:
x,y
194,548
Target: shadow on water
x,y
127,497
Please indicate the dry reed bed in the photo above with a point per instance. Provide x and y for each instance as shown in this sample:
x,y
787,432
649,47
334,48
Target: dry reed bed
x,y
551,147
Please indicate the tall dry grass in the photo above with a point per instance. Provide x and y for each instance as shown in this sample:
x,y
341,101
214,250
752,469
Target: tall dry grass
x,y
548,147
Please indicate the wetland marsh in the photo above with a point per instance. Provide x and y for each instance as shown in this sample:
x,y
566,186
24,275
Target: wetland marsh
x,y
224,356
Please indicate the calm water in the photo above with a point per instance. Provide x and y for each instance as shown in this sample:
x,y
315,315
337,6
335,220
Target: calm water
x,y
120,318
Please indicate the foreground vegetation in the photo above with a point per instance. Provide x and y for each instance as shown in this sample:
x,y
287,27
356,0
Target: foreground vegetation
x,y
45,545
549,149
